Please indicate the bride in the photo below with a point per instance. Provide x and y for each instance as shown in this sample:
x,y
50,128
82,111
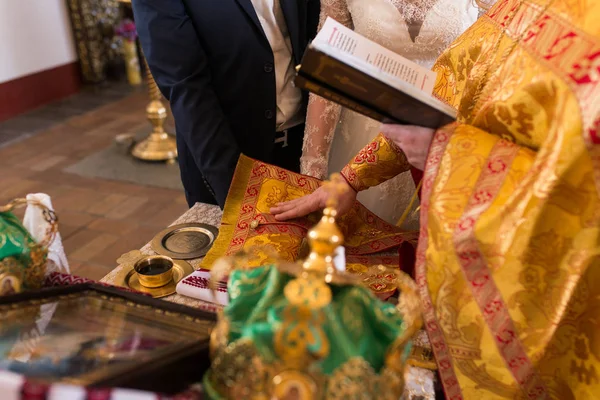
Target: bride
x,y
416,29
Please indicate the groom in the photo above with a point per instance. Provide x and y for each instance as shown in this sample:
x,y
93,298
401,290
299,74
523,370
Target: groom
x,y
227,68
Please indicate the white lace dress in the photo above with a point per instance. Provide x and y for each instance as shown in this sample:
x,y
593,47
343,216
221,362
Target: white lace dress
x,y
416,29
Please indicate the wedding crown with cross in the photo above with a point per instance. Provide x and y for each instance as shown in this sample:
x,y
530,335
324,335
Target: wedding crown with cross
x,y
310,332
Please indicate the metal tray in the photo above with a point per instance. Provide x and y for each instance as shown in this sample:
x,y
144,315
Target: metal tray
x,y
185,241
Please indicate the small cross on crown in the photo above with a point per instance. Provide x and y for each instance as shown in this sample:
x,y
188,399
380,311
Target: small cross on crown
x,y
335,187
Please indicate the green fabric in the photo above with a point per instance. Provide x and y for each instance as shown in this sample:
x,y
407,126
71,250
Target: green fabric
x,y
207,387
356,323
15,242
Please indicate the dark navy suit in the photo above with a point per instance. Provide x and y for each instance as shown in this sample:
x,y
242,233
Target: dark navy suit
x,y
213,62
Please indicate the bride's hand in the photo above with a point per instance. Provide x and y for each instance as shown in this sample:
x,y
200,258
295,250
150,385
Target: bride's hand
x,y
313,202
413,140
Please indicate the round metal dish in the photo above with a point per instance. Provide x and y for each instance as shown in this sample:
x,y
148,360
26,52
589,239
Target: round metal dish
x,y
129,278
185,241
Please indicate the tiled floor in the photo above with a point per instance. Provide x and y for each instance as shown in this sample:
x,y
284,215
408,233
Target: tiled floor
x,y
31,123
99,219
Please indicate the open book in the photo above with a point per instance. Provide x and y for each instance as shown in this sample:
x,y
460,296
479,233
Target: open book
x,y
349,69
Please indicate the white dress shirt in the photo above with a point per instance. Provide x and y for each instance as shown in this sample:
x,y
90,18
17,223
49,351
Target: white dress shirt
x,y
289,98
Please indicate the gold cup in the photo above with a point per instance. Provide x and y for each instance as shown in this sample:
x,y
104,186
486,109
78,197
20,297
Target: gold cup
x,y
154,271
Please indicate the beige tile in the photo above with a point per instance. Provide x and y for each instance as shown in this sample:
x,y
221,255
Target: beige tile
x,y
112,226
21,158
67,231
94,247
72,218
107,203
52,190
129,189
181,200
48,163
73,265
71,222
10,172
91,271
145,214
78,239
126,243
163,195
58,177
19,188
119,126
167,215
127,207
75,200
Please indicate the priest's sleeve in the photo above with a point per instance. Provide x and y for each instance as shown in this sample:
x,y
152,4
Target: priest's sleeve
x,y
376,163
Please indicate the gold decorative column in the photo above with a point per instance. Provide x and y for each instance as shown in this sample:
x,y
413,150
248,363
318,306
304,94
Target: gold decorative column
x,y
159,145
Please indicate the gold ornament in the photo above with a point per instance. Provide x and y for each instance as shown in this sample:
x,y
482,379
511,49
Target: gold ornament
x,y
300,331
240,371
294,385
356,379
219,336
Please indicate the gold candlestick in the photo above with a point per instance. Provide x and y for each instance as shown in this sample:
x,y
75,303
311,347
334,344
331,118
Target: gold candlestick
x,y
159,145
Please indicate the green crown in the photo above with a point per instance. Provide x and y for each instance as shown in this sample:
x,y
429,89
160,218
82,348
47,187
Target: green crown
x,y
307,331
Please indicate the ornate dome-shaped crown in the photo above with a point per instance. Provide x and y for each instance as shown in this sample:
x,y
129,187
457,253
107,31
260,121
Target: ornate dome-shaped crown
x,y
306,331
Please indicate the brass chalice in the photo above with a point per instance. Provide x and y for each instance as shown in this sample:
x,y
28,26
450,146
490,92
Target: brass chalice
x,y
154,271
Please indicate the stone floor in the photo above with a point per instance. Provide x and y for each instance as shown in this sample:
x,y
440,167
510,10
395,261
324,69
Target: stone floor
x,y
99,219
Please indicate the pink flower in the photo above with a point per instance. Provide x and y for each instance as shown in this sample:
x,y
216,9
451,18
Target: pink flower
x,y
126,30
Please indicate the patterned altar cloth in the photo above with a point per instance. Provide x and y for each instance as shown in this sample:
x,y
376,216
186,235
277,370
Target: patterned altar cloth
x,y
419,381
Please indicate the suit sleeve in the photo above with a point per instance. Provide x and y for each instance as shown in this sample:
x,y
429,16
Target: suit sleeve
x,y
179,66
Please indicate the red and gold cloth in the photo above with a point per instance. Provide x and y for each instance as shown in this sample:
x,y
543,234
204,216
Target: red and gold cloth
x,y
248,226
507,262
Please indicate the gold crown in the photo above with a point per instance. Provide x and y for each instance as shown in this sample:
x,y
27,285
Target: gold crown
x,y
239,370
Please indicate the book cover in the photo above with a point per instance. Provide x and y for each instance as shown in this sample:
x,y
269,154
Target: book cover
x,y
350,70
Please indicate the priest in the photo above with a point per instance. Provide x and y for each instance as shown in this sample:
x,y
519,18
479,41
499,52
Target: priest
x,y
507,261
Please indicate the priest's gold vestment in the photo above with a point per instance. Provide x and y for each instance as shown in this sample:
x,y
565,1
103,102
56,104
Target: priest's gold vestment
x,y
507,262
